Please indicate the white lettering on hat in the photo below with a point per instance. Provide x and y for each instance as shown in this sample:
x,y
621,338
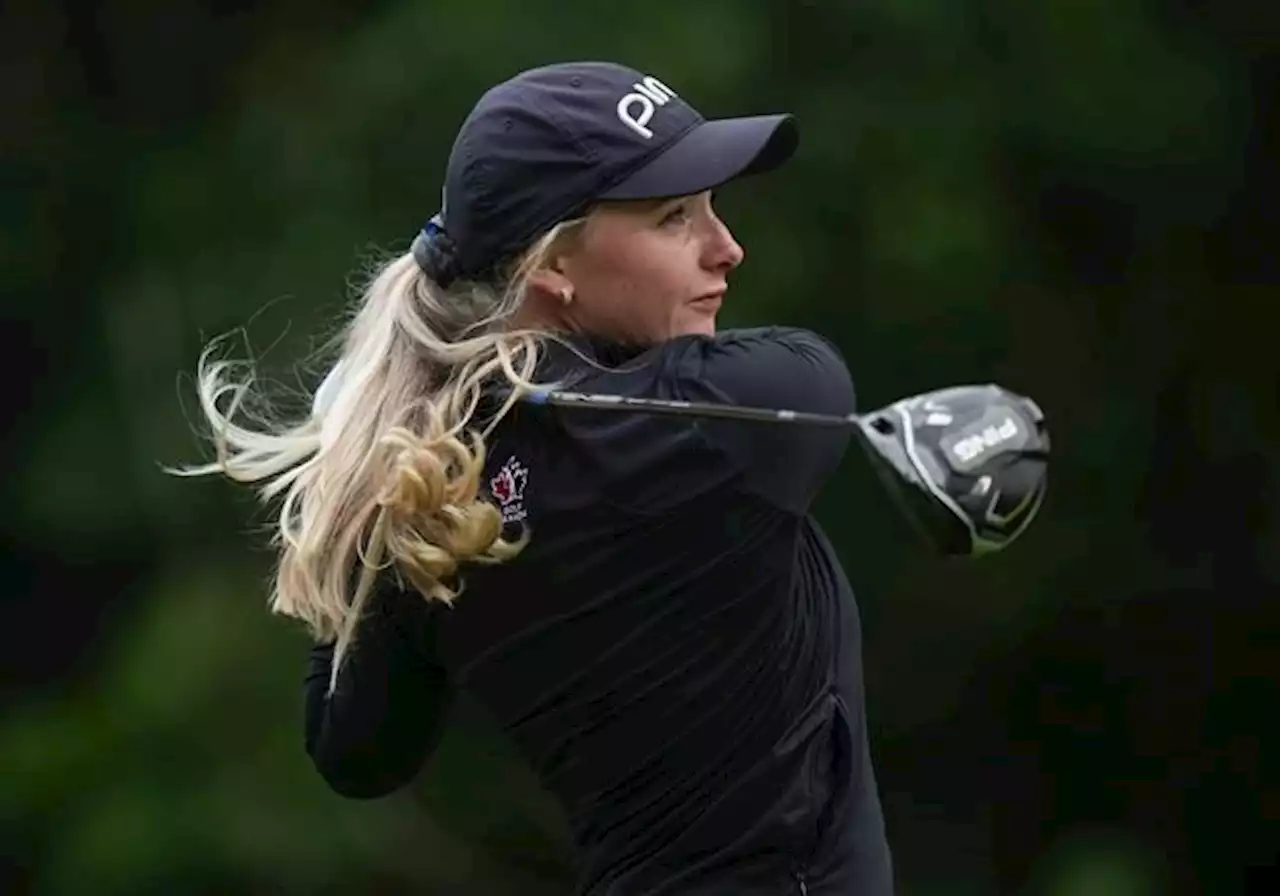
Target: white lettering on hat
x,y
649,94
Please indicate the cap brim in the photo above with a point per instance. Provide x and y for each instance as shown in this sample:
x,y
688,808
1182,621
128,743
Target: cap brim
x,y
711,154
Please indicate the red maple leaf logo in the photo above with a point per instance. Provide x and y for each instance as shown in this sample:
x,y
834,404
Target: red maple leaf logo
x,y
508,484
502,487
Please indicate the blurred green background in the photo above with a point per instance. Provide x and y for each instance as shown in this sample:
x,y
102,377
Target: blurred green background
x,y
1074,198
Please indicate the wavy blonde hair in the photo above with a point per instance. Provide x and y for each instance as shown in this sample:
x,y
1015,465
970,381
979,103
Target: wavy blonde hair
x,y
385,470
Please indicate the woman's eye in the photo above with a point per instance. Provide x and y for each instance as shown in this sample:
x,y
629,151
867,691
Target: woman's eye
x,y
675,216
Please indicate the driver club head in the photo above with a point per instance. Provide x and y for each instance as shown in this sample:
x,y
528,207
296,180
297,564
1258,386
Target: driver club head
x,y
968,464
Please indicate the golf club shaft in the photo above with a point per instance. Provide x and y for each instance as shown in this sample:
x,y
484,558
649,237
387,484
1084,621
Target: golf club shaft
x,y
673,407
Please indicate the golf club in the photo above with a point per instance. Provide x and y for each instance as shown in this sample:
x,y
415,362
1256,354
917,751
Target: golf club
x,y
967,464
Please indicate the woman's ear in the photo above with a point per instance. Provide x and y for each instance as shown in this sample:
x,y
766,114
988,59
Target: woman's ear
x,y
548,284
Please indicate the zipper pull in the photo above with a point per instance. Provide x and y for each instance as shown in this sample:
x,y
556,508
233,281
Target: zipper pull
x,y
804,888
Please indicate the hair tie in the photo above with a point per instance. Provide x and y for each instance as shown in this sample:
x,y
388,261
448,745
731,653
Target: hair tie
x,y
436,253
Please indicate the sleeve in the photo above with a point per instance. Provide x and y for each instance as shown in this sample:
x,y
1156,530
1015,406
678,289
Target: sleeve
x,y
778,368
385,717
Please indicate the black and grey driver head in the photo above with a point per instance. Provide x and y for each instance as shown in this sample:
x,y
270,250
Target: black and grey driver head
x,y
969,464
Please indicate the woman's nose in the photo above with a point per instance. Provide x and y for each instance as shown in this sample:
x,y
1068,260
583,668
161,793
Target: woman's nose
x,y
722,251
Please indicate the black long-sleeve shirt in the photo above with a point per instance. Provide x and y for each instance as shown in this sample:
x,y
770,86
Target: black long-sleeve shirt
x,y
677,653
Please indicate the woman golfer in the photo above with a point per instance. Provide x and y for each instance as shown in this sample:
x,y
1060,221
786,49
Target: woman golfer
x,y
643,602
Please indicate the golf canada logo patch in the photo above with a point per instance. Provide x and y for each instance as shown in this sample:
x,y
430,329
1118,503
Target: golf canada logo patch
x,y
507,487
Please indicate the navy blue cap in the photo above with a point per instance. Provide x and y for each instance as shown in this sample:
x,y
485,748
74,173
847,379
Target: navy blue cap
x,y
547,144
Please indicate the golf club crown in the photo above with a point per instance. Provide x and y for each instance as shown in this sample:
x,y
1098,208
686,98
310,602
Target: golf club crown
x,y
969,464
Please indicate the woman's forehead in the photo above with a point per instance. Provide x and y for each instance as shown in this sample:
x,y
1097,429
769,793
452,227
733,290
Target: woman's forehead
x,y
614,216
638,207
630,206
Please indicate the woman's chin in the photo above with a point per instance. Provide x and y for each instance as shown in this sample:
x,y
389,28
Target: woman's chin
x,y
697,325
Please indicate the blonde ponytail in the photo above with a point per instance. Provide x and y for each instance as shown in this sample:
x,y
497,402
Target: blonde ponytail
x,y
385,471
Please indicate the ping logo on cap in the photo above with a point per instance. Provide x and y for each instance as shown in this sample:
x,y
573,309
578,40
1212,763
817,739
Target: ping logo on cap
x,y
636,109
